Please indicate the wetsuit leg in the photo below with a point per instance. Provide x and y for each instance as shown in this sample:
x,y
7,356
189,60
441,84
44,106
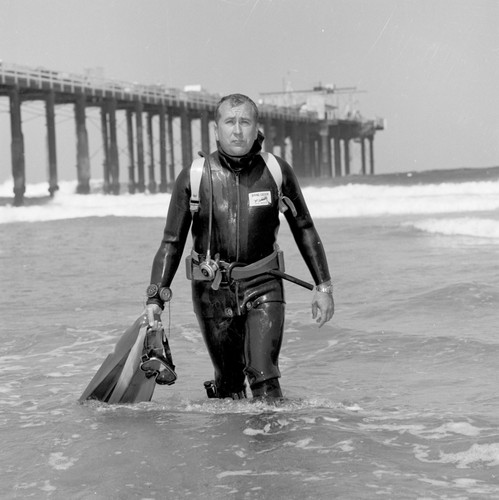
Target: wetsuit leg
x,y
225,343
264,330
223,333
268,389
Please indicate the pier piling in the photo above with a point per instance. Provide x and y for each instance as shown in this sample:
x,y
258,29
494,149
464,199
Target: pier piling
x,y
82,152
170,153
152,179
163,184
17,147
186,136
51,141
139,130
105,148
131,152
114,166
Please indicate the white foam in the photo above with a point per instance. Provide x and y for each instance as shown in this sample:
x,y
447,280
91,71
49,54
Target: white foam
x,y
462,226
352,200
420,430
68,205
463,428
477,454
231,473
47,487
59,461
253,432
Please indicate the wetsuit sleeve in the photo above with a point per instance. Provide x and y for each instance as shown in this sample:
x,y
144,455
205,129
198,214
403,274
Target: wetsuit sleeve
x,y
178,221
303,228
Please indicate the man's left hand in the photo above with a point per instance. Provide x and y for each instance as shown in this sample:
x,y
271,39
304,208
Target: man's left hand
x,y
153,313
322,307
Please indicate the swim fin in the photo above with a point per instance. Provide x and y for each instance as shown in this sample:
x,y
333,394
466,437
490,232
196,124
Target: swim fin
x,y
120,379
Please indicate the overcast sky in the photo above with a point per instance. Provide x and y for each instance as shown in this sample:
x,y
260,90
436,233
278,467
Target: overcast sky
x,y
429,67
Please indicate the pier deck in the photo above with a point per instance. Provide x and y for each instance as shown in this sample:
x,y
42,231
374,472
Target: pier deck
x,y
311,144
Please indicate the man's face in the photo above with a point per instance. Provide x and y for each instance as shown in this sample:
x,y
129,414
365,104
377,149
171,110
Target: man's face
x,y
236,129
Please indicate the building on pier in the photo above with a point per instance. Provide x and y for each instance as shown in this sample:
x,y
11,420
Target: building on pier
x,y
308,137
338,124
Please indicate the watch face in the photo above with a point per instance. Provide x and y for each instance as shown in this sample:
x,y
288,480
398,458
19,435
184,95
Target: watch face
x,y
152,290
165,294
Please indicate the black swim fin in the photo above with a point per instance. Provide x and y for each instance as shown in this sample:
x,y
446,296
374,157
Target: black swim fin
x,y
120,379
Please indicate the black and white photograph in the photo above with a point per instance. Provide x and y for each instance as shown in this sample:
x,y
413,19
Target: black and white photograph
x,y
249,249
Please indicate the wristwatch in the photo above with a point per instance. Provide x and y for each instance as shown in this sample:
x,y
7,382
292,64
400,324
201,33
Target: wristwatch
x,y
326,287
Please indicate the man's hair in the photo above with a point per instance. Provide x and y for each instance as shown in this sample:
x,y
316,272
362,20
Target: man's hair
x,y
236,100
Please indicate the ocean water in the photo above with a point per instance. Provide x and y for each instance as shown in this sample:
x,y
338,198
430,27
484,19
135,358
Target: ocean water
x,y
397,397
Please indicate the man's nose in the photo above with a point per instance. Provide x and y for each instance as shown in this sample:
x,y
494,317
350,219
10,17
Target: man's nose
x,y
237,128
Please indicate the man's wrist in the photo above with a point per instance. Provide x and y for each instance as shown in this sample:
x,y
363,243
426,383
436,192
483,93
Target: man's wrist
x,y
157,294
325,287
156,302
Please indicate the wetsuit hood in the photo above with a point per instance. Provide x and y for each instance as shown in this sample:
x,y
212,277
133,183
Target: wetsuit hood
x,y
241,162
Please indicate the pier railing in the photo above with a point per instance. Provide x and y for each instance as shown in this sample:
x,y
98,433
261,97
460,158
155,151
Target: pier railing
x,y
61,81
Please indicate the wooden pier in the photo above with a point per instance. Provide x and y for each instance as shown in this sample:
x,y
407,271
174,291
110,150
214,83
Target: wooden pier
x,y
315,146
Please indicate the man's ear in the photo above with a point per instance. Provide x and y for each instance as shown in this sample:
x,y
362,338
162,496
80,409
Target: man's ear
x,y
215,128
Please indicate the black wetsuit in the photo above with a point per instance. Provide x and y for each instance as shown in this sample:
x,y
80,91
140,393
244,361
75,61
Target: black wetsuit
x,y
242,322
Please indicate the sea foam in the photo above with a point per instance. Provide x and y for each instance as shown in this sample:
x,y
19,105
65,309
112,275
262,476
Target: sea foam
x,y
351,200
460,226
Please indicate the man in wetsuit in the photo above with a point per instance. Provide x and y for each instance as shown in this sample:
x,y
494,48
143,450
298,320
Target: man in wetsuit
x,y
240,308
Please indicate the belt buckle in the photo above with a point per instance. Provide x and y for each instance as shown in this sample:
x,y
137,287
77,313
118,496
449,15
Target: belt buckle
x,y
231,268
224,268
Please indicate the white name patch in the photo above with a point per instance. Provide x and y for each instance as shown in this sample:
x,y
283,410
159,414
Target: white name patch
x,y
260,199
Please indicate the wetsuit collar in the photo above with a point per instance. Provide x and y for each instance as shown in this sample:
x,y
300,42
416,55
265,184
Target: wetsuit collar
x,y
241,162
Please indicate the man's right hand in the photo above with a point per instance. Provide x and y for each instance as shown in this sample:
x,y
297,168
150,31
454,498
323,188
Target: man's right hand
x,y
322,307
153,312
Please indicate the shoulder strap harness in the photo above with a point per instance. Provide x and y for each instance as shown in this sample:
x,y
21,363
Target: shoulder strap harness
x,y
196,174
271,163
